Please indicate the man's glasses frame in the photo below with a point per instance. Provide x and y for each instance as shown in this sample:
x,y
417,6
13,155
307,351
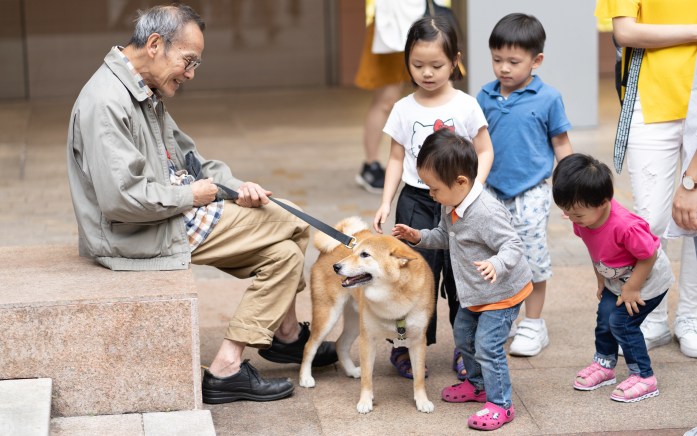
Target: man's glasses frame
x,y
191,64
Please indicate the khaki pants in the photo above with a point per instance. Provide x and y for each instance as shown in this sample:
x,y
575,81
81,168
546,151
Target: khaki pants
x,y
267,243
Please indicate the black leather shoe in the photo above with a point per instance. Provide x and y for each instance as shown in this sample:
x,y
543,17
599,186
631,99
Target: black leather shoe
x,y
293,352
245,385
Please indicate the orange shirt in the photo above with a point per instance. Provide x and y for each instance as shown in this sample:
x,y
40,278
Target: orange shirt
x,y
508,302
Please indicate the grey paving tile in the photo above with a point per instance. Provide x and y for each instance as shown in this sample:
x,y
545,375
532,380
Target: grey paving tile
x,y
182,423
102,425
25,407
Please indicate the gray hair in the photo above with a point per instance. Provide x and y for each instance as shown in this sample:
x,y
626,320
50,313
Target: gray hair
x,y
167,21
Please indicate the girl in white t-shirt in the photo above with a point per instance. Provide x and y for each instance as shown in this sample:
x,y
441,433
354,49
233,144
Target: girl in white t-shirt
x,y
432,57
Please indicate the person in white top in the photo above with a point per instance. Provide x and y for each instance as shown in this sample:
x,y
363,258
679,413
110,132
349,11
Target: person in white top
x,y
431,54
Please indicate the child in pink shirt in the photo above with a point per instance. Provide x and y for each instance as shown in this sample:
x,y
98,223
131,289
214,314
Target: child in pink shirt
x,y
632,270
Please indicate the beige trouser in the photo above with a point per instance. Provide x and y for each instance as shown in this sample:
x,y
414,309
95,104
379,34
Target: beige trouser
x,y
267,243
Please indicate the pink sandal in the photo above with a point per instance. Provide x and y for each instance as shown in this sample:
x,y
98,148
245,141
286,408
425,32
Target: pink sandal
x,y
462,393
491,417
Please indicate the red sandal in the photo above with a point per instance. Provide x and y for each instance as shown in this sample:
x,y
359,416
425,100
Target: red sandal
x,y
491,417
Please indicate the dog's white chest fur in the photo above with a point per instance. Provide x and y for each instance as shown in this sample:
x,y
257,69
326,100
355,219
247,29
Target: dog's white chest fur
x,y
378,294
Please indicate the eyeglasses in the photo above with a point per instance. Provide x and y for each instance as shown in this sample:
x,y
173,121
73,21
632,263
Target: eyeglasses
x,y
191,64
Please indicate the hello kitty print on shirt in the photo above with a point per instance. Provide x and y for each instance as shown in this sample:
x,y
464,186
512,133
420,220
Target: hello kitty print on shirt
x,y
621,273
421,131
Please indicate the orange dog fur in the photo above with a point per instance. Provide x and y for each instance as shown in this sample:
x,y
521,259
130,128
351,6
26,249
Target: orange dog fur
x,y
385,281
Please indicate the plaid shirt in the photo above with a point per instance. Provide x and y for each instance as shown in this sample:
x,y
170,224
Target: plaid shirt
x,y
199,221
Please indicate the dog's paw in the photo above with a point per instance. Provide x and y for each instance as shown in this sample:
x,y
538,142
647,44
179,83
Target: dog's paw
x,y
364,406
354,372
425,406
307,382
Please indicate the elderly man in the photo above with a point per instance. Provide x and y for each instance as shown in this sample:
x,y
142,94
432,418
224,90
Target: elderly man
x,y
138,209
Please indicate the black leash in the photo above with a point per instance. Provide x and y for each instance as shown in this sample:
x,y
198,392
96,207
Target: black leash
x,y
193,166
345,239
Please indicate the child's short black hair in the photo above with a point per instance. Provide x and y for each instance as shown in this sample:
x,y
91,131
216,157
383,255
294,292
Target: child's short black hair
x,y
448,155
519,30
581,180
437,28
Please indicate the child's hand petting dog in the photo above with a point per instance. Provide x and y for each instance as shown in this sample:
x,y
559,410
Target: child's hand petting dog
x,y
486,269
405,232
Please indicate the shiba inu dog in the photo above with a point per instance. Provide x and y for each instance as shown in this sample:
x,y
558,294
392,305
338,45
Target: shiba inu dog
x,y
387,292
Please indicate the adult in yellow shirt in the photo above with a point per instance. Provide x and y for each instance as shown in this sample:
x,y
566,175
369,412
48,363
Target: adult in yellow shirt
x,y
667,30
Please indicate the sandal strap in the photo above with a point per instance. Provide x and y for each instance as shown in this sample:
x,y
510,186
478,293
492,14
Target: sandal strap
x,y
398,352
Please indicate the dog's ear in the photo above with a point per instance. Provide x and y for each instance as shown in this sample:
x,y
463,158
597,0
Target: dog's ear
x,y
403,255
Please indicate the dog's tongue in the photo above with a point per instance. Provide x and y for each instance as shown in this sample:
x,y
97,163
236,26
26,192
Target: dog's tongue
x,y
355,280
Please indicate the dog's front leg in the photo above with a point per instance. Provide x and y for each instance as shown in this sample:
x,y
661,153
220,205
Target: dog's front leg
x,y
417,354
367,346
347,338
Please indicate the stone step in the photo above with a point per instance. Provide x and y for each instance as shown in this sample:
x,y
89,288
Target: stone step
x,y
182,423
112,342
25,407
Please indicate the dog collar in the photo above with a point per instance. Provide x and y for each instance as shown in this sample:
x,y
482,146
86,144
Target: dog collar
x,y
401,328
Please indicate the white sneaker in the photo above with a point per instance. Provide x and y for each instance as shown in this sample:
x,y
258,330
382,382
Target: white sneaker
x,y
656,334
686,332
692,432
530,338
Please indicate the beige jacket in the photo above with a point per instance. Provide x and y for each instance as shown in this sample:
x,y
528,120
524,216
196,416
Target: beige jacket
x,y
129,216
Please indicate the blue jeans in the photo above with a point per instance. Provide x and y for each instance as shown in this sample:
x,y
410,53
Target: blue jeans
x,y
615,326
480,337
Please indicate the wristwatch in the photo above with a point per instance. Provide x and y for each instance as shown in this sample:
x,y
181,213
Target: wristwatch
x,y
688,182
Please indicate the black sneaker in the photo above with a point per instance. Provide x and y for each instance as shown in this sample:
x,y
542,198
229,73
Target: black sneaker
x,y
247,384
293,352
372,177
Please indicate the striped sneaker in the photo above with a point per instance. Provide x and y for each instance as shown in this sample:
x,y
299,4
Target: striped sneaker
x,y
635,389
594,376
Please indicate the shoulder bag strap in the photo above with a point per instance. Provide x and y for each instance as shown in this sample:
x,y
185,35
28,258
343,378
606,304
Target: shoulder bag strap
x,y
630,92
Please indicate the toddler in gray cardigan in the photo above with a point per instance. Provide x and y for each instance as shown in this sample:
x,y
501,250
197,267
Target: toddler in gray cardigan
x,y
487,259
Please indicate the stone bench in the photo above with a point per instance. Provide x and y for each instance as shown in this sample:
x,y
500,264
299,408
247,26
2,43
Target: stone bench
x,y
112,342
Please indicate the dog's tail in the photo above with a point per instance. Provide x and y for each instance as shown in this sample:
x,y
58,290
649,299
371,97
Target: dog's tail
x,y
350,226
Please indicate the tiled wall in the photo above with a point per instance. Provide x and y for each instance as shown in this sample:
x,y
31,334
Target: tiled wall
x,y
12,69
249,43
351,31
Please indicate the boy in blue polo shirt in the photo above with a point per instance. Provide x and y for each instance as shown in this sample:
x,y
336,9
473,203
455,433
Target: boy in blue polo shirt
x,y
528,128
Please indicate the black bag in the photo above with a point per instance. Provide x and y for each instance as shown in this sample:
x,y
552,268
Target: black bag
x,y
193,167
433,9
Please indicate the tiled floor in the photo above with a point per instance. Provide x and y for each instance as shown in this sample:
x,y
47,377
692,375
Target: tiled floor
x,y
305,145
